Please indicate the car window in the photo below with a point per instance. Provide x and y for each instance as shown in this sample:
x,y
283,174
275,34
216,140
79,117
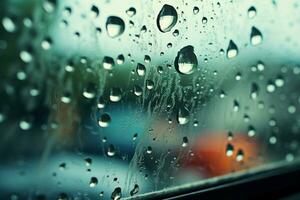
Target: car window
x,y
113,99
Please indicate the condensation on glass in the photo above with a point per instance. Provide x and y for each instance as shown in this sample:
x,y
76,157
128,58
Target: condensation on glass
x,y
113,99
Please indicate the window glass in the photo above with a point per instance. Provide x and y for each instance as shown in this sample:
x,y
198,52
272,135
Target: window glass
x,y
111,99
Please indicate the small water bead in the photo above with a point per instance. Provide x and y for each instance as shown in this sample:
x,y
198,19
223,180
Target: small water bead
x,y
186,61
240,155
232,50
185,142
120,59
196,10
93,182
94,11
236,106
292,109
251,12
149,150
279,82
131,12
135,136
101,103
62,166
49,5
115,95
9,25
229,150
260,66
251,131
272,140
90,91
66,98
149,84
111,151
271,87
46,43
140,69
147,59
135,190
238,76
160,69
25,124
108,63
175,33
204,20
254,91
167,18
88,161
183,116
62,196
104,120
116,194
25,56
256,36
115,26
138,91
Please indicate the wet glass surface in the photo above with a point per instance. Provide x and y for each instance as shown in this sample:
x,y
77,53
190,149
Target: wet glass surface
x,y
110,99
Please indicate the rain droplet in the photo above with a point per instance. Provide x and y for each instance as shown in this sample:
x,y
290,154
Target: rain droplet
x,y
254,91
115,26
256,37
135,190
232,50
25,56
251,131
195,10
9,25
229,150
90,91
88,161
271,87
183,116
131,11
108,63
251,12
149,150
140,69
236,106
185,141
240,155
186,61
149,84
93,182
111,151
101,103
95,11
115,95
120,59
116,194
167,18
104,120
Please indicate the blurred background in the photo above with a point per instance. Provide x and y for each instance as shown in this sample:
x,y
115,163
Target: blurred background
x,y
110,99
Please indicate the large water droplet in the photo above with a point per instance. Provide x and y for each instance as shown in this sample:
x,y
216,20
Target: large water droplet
x,y
167,18
256,37
108,63
229,150
140,69
116,194
111,151
115,94
183,116
135,190
186,61
115,26
104,120
232,50
93,182
251,12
